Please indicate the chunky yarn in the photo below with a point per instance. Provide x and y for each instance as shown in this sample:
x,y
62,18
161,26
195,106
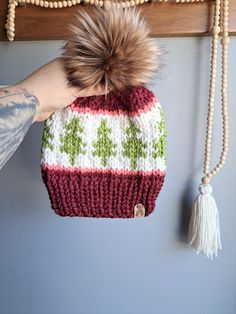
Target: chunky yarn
x,y
106,156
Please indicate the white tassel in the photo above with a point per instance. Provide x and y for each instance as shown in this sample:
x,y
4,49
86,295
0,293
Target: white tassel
x,y
204,230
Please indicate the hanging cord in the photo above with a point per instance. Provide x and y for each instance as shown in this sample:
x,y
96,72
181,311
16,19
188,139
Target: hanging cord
x,y
204,232
224,42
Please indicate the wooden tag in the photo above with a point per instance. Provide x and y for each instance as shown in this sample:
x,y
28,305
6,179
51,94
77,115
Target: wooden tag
x,y
139,210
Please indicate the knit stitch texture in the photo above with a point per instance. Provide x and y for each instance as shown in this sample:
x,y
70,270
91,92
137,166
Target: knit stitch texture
x,y
103,155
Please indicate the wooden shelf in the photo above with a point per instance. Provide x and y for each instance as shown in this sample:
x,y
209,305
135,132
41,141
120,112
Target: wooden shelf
x,y
165,20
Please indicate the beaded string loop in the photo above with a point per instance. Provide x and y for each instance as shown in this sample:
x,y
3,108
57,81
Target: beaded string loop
x,y
221,7
215,36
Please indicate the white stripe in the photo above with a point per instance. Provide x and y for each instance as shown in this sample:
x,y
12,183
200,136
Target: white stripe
x,y
147,122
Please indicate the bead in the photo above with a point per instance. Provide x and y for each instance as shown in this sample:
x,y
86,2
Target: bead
x,y
216,29
225,41
11,6
223,154
11,10
11,33
11,14
206,180
11,28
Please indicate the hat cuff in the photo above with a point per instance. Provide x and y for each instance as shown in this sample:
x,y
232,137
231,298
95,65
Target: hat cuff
x,y
101,193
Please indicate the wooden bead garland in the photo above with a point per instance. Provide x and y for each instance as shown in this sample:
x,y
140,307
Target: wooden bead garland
x,y
204,228
12,4
220,6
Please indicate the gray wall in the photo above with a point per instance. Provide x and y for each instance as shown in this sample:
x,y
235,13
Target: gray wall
x,y
54,265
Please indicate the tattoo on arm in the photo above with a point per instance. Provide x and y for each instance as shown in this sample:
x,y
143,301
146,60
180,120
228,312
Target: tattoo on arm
x,y
17,110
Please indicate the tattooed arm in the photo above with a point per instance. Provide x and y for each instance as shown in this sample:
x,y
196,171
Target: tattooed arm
x,y
17,110
34,99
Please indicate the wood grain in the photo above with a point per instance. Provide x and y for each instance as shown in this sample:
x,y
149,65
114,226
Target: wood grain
x,y
165,20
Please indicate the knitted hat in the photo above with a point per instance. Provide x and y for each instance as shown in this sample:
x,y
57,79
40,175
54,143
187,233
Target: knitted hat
x,y
105,156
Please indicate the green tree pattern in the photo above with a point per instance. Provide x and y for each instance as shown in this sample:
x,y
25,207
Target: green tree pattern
x,y
134,148
47,137
104,147
160,145
72,143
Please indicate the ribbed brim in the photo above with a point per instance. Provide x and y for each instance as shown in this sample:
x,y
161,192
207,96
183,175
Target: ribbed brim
x,y
101,194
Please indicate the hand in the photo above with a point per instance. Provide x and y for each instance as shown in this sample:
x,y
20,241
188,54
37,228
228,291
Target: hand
x,y
50,86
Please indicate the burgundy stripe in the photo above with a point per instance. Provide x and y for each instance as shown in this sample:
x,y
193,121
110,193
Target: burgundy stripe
x,y
101,194
130,102
119,112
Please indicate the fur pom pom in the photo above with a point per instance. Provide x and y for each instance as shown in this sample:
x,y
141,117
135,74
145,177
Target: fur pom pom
x,y
110,47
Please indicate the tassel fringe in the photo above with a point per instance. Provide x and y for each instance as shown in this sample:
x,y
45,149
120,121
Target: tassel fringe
x,y
204,230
